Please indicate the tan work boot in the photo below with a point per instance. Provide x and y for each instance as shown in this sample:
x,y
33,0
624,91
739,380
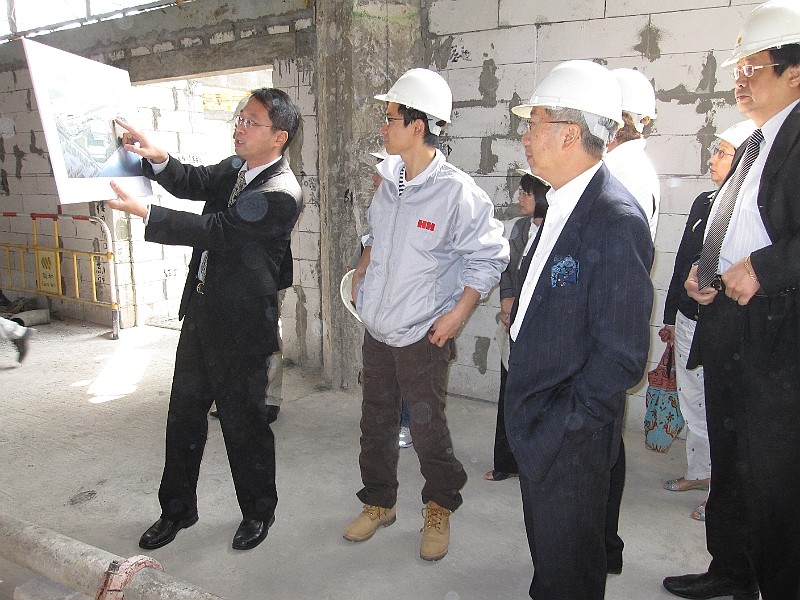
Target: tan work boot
x,y
435,532
367,523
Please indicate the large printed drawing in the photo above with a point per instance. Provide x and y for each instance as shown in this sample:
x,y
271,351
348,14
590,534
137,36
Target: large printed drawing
x,y
78,100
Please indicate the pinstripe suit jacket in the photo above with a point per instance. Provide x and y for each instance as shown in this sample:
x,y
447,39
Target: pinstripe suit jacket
x,y
585,336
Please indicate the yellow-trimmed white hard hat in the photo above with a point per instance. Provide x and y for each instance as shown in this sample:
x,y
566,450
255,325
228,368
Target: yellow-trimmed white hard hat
x,y
346,292
770,25
424,90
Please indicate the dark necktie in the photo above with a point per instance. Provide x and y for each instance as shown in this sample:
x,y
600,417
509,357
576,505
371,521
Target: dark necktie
x,y
709,257
237,189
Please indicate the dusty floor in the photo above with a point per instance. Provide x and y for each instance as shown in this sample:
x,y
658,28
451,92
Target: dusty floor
x,y
81,450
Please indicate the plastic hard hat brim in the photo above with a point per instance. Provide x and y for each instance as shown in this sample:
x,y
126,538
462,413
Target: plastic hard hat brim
x,y
346,293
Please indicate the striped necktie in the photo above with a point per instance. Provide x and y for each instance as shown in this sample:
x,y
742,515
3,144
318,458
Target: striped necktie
x,y
709,258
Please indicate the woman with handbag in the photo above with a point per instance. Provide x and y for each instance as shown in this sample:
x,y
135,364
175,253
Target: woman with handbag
x,y
680,320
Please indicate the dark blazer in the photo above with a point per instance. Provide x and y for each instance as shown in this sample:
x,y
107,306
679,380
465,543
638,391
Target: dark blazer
x,y
248,242
585,336
777,266
690,247
516,242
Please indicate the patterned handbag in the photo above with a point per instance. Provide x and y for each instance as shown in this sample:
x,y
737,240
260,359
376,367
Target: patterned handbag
x,y
663,420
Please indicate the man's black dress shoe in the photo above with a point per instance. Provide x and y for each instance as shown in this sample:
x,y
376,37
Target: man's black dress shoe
x,y
163,531
709,585
251,533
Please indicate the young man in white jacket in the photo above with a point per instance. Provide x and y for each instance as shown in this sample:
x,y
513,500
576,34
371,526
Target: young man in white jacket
x,y
434,250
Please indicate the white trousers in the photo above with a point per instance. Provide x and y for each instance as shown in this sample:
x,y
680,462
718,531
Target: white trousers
x,y
10,330
691,396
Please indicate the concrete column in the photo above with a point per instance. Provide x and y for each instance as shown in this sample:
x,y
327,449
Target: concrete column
x,y
362,48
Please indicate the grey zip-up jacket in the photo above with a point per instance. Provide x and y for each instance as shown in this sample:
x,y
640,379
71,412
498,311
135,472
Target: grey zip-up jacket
x,y
440,237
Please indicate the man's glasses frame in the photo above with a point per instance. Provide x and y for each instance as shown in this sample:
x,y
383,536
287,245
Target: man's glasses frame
x,y
748,70
247,123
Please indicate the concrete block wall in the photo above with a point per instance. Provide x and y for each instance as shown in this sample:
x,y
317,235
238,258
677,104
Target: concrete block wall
x,y
171,44
301,310
493,55
27,186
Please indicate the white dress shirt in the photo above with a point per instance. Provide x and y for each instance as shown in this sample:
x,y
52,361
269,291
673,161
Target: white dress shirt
x,y
561,203
746,232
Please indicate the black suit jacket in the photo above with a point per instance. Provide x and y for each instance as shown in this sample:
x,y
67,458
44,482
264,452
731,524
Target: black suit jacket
x,y
688,251
777,265
584,339
509,279
248,243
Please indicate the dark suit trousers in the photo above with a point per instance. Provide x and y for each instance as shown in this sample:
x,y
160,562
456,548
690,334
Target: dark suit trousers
x,y
614,543
209,369
752,386
504,460
565,517
418,373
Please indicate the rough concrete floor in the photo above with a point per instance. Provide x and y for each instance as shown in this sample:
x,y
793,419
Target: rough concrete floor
x,y
81,450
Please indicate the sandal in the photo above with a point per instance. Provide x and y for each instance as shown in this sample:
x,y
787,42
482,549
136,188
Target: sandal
x,y
498,475
699,513
684,485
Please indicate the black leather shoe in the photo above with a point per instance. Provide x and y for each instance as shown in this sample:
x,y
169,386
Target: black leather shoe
x,y
251,533
709,585
272,413
162,532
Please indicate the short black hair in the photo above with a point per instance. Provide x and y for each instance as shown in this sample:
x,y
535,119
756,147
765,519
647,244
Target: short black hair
x,y
412,114
533,186
786,56
282,112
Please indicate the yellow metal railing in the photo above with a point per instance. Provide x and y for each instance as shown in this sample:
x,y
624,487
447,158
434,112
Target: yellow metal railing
x,y
48,270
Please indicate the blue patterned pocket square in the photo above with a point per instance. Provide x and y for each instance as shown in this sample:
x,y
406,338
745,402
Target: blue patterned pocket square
x,y
564,272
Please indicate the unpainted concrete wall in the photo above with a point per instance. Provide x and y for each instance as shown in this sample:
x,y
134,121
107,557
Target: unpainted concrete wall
x,y
334,55
494,52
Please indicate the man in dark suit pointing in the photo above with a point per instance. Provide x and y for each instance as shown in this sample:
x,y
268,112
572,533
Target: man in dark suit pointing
x,y
580,330
230,307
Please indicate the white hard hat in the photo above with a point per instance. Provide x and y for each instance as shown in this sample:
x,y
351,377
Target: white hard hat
x,y
346,292
381,154
423,90
770,25
737,134
638,96
523,172
581,85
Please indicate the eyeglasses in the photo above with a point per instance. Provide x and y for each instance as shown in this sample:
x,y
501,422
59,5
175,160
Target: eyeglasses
x,y
246,123
748,70
388,120
530,124
720,154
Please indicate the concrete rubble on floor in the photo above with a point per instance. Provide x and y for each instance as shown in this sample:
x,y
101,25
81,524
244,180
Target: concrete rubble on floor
x,y
81,441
